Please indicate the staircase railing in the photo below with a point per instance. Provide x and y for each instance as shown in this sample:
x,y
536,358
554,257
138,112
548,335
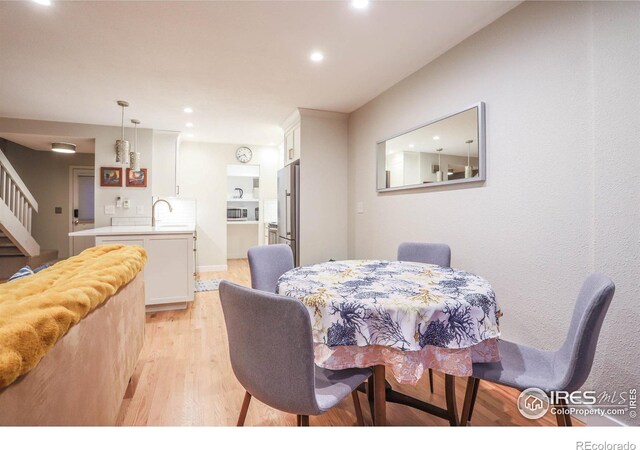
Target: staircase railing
x,y
19,201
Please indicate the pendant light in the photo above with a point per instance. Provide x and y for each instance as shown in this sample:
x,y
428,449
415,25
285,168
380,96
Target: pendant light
x,y
135,154
468,170
122,145
439,172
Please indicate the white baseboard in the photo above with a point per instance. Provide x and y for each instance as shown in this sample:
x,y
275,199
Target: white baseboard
x,y
595,420
214,268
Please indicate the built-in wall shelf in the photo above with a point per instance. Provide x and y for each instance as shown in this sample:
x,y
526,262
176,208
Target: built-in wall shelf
x,y
243,222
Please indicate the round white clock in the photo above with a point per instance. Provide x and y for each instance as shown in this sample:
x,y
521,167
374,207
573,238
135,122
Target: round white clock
x,y
244,154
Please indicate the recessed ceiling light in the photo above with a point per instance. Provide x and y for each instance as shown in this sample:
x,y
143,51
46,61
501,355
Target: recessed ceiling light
x,y
435,138
360,4
411,145
63,147
189,125
317,56
188,110
43,2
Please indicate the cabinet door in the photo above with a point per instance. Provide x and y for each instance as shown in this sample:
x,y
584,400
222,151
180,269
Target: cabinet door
x,y
169,270
289,147
164,164
296,143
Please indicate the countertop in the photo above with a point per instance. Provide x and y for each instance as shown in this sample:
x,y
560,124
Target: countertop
x,y
135,229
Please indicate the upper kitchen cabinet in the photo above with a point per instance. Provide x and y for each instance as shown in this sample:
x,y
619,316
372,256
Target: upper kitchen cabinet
x,y
165,163
319,139
292,138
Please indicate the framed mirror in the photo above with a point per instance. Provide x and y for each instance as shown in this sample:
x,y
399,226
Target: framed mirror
x,y
448,150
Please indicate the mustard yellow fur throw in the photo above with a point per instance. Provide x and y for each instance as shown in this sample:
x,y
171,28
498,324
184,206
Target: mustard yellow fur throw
x,y
37,310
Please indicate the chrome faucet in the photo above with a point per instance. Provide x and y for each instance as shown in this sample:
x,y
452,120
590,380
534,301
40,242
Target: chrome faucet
x,y
153,210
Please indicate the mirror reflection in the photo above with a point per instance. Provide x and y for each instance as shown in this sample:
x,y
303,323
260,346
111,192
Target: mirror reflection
x,y
444,151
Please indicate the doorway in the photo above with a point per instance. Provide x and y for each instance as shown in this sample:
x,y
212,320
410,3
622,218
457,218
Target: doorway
x,y
81,209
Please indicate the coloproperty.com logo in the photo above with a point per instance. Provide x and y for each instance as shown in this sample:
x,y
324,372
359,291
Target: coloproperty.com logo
x,y
533,403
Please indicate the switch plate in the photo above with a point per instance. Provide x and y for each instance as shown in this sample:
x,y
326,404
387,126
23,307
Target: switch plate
x,y
109,209
119,202
126,203
140,209
360,208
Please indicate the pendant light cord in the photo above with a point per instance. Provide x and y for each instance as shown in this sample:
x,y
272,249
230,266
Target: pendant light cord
x,y
123,123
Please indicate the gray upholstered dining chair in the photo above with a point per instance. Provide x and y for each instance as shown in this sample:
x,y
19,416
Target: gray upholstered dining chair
x,y
271,350
439,254
566,369
267,263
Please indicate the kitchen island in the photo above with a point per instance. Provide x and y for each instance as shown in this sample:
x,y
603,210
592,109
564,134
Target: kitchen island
x,y
169,274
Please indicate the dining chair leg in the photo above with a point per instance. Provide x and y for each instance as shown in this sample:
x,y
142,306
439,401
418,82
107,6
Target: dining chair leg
x,y
358,408
563,418
450,395
469,400
303,421
431,380
379,397
244,409
370,398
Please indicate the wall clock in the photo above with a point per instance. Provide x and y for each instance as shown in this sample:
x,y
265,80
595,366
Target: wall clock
x,y
244,154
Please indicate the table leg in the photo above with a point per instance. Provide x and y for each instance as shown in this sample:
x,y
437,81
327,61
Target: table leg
x,y
450,394
379,397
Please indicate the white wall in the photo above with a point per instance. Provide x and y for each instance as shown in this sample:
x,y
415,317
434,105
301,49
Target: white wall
x,y
560,81
105,139
203,176
323,186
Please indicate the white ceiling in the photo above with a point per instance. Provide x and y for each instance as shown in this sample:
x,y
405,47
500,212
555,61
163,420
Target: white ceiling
x,y
43,142
242,66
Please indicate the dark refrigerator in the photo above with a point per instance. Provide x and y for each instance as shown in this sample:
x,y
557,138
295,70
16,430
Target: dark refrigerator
x,y
288,208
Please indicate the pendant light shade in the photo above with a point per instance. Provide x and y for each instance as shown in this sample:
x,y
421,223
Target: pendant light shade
x,y
122,145
468,170
135,154
439,172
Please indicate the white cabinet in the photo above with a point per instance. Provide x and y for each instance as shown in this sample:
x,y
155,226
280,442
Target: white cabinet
x,y
169,268
169,272
292,144
164,164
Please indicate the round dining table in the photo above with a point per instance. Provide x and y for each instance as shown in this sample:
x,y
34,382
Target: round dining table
x,y
403,316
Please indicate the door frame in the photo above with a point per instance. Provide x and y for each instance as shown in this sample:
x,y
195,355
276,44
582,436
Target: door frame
x,y
70,215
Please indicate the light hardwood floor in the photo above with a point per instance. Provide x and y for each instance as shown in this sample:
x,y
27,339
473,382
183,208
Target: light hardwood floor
x,y
184,377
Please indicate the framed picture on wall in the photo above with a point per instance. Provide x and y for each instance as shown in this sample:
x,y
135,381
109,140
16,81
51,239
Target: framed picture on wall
x,y
137,179
111,176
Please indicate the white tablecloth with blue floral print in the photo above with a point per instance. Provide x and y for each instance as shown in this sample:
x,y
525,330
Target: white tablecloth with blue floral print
x,y
400,305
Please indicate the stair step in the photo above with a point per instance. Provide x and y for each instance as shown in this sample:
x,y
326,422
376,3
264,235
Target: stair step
x,y
6,242
10,251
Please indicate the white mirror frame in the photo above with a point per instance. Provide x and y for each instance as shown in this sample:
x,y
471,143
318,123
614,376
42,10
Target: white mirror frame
x,y
482,157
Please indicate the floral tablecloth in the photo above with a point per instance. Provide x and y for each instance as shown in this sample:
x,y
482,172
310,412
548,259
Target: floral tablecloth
x,y
408,316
